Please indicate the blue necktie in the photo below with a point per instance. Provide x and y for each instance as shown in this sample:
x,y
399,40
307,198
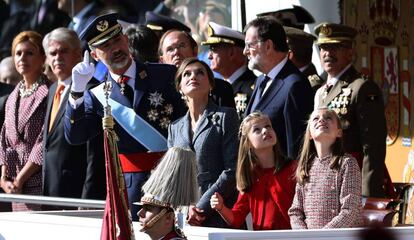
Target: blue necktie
x,y
259,93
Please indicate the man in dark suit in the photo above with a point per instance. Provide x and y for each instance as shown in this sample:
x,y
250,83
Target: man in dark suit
x,y
48,16
282,92
75,171
226,55
142,98
300,53
358,102
175,46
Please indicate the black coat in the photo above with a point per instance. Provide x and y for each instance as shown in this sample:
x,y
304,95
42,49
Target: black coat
x,y
76,171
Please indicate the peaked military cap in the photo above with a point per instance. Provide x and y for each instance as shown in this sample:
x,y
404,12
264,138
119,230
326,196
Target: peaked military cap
x,y
298,37
295,17
101,29
221,34
163,23
334,33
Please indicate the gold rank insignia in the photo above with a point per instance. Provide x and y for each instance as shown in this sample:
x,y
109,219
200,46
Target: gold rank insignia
x,y
102,25
143,74
326,30
252,86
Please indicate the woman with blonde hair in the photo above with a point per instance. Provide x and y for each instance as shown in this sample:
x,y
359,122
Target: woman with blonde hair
x,y
265,178
21,134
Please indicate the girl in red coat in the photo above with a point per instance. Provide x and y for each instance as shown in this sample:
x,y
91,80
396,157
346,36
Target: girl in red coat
x,y
265,178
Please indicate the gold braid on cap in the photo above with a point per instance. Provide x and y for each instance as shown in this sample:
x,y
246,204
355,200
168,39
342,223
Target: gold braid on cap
x,y
155,202
103,33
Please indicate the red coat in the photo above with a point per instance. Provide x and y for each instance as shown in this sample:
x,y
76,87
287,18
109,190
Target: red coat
x,y
269,199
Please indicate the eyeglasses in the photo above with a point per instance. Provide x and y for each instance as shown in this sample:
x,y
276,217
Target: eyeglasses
x,y
170,49
252,45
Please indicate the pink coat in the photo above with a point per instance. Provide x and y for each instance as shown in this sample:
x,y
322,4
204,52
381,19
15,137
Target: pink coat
x,y
21,138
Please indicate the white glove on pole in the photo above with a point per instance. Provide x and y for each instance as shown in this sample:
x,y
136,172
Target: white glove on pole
x,y
82,73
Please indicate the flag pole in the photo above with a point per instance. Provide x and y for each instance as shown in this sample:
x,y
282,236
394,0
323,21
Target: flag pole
x,y
117,222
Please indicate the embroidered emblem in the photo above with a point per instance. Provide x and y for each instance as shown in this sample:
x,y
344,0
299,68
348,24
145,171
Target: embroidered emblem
x,y
156,99
325,30
102,25
215,118
164,122
241,102
168,109
143,74
152,115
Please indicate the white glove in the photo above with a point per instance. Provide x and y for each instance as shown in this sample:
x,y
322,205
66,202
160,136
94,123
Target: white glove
x,y
82,73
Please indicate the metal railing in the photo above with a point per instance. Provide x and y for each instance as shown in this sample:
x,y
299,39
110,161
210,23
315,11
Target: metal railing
x,y
52,201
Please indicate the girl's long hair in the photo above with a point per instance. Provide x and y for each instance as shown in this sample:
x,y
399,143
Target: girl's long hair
x,y
308,152
247,161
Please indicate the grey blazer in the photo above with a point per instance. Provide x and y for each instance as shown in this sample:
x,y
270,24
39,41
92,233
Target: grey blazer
x,y
215,143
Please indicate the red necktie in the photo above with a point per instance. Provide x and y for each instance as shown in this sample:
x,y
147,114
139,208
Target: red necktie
x,y
56,103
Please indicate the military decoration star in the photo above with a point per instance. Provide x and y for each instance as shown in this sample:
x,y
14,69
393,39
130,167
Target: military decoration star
x,y
152,115
155,99
164,122
168,109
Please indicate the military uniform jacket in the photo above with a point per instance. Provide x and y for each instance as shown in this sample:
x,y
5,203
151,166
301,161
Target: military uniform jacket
x,y
155,100
314,79
360,106
242,90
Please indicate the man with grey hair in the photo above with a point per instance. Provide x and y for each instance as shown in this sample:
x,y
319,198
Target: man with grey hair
x,y
8,74
68,170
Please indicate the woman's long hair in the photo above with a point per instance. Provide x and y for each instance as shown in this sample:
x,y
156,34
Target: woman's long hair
x,y
308,152
247,160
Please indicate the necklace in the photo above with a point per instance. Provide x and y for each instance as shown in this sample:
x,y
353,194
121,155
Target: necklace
x,y
28,92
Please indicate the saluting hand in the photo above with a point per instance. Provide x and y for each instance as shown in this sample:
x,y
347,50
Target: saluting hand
x,y
82,73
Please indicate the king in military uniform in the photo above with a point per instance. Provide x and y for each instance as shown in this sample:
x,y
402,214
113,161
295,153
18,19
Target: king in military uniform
x,y
357,101
141,96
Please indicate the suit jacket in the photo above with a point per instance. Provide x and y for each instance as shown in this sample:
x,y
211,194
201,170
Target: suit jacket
x,y
360,106
85,121
5,90
222,93
215,143
76,171
242,90
288,102
53,18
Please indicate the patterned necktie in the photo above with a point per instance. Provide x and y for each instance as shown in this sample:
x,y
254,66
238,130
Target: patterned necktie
x,y
56,103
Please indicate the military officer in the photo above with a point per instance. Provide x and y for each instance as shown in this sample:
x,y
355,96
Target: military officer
x,y
300,53
358,102
226,55
141,95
